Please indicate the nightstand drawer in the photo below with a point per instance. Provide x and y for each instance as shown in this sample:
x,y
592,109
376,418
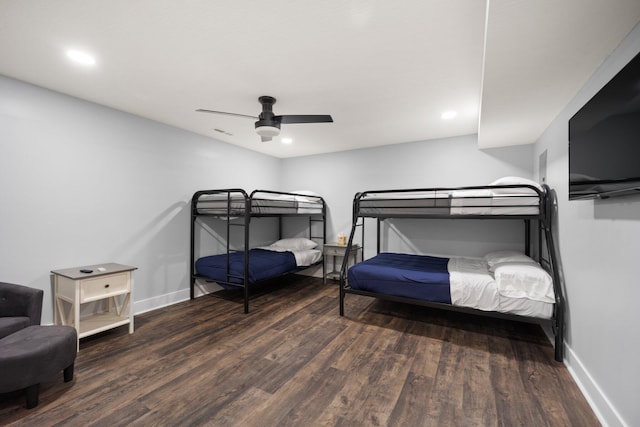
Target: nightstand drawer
x,y
335,251
102,287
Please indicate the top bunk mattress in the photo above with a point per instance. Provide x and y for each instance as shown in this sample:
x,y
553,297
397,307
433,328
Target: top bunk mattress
x,y
234,203
405,203
495,199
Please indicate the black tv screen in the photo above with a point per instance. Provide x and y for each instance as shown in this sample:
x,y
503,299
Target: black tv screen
x,y
604,140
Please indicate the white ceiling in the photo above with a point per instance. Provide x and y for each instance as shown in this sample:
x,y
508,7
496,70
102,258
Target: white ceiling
x,y
385,70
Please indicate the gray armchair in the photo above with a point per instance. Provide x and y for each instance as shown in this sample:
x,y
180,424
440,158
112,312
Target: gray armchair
x,y
20,306
30,353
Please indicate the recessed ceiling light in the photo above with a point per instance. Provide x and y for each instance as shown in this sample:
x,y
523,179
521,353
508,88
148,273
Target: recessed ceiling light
x,y
81,57
286,140
447,115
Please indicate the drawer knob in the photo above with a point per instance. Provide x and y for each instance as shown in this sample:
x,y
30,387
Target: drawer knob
x,y
106,286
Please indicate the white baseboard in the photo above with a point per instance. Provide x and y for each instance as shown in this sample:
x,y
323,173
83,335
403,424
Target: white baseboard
x,y
601,405
160,301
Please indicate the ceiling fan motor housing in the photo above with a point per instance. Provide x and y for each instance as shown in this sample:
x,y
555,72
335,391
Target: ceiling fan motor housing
x,y
267,126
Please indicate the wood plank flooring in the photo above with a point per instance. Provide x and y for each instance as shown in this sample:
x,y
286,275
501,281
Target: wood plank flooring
x,y
293,361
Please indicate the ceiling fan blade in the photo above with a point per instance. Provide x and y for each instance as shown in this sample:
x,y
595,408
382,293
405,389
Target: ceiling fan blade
x,y
200,110
304,119
266,138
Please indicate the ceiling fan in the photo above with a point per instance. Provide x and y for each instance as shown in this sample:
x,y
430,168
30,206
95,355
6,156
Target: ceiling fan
x,y
268,124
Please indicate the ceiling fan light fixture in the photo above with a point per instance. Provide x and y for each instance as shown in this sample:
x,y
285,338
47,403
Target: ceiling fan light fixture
x,y
267,131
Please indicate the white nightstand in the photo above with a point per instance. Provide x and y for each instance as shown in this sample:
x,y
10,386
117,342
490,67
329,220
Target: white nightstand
x,y
331,251
110,282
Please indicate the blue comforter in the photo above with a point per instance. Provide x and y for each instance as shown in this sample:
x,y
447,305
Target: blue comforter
x,y
263,265
413,276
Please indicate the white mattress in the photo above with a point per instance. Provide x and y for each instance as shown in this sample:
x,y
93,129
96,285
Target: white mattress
x,y
405,203
486,202
473,286
468,202
217,204
304,204
309,208
261,203
515,204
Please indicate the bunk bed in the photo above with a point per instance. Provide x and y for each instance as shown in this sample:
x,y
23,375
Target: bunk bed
x,y
244,266
518,285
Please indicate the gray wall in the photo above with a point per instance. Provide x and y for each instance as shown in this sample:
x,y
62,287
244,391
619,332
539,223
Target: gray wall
x,y
84,184
599,244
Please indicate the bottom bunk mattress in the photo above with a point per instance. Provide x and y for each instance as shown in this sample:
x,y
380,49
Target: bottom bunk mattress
x,y
459,281
263,264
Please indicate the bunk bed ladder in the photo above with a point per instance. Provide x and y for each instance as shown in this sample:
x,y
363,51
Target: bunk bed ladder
x,y
558,320
229,251
245,279
322,237
192,260
345,261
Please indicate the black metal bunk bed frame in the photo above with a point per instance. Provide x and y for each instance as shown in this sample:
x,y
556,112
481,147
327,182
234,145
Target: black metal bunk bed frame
x,y
246,213
548,258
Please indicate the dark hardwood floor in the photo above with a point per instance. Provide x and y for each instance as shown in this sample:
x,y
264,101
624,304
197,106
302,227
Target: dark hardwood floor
x,y
294,361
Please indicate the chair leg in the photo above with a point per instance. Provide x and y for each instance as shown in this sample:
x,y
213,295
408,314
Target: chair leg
x,y
32,395
68,373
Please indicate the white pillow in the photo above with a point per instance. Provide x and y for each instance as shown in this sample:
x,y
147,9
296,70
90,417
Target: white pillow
x,y
514,180
517,280
493,259
296,243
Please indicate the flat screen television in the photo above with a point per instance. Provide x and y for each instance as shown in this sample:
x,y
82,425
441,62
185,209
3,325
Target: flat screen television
x,y
604,140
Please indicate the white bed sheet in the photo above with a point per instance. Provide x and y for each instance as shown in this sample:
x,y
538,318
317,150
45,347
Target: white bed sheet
x,y
305,257
473,286
525,307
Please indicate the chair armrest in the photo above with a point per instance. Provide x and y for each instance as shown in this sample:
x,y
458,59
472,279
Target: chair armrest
x,y
18,300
